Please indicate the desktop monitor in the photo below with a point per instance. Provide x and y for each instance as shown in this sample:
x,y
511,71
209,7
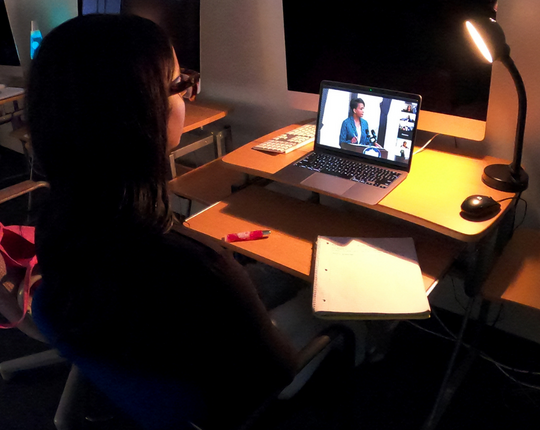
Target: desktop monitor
x,y
8,50
179,18
98,6
46,15
181,21
417,47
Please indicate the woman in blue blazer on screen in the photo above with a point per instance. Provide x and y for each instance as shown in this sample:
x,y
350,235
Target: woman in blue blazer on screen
x,y
355,128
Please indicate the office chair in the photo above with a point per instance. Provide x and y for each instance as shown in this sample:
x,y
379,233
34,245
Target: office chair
x,y
157,403
11,291
11,309
133,393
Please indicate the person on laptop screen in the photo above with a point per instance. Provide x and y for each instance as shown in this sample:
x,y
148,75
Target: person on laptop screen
x,y
355,129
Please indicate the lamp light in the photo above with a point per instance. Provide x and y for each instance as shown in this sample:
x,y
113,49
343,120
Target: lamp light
x,y
490,40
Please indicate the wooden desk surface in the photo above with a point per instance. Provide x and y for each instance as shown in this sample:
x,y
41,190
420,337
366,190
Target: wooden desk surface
x,y
431,196
208,183
295,225
12,99
199,114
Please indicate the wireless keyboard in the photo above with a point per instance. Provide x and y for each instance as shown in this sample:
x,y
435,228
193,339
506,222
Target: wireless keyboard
x,y
289,141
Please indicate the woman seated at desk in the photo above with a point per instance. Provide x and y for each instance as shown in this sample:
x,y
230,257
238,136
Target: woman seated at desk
x,y
124,282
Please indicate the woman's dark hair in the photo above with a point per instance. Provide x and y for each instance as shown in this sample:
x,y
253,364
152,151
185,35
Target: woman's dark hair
x,y
355,102
97,112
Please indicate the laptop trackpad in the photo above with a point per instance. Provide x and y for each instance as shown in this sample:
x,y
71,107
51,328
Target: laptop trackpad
x,y
330,184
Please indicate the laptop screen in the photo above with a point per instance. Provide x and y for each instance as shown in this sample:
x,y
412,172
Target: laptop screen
x,y
370,123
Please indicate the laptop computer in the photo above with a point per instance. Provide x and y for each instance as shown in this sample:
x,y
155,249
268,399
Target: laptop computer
x,y
363,146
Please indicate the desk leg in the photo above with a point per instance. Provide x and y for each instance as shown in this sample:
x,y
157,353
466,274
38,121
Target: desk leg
x,y
454,376
447,389
17,120
220,138
481,256
479,260
314,198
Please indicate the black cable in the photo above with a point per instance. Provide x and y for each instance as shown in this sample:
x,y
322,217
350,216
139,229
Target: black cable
x,y
446,389
503,368
455,295
524,214
519,198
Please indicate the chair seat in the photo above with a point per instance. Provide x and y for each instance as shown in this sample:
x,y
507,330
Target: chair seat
x,y
516,275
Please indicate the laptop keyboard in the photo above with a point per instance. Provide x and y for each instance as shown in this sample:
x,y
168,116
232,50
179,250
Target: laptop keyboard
x,y
349,169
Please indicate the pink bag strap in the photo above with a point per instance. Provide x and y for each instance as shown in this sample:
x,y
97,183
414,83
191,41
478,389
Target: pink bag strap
x,y
17,244
20,241
27,290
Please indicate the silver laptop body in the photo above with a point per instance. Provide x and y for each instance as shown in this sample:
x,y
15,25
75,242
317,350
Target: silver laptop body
x,y
373,127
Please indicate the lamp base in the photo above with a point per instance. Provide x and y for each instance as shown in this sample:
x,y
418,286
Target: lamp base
x,y
500,177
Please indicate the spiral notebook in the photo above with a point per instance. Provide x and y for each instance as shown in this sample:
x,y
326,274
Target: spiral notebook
x,y
368,278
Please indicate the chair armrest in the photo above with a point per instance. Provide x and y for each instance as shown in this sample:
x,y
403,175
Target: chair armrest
x,y
326,338
19,189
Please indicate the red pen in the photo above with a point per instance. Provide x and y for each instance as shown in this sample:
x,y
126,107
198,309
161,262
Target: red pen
x,y
247,235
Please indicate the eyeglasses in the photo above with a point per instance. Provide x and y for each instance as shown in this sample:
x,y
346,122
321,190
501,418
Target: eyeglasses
x,y
188,83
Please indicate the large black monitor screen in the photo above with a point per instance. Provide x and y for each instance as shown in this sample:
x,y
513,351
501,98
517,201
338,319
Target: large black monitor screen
x,y
180,19
8,51
413,46
99,6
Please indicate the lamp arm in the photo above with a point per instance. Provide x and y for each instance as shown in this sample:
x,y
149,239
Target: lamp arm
x,y
515,166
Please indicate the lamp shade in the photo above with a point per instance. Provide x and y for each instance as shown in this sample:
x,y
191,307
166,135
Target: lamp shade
x,y
488,35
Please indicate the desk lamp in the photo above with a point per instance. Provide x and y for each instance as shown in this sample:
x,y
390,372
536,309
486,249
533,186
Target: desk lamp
x,y
490,40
